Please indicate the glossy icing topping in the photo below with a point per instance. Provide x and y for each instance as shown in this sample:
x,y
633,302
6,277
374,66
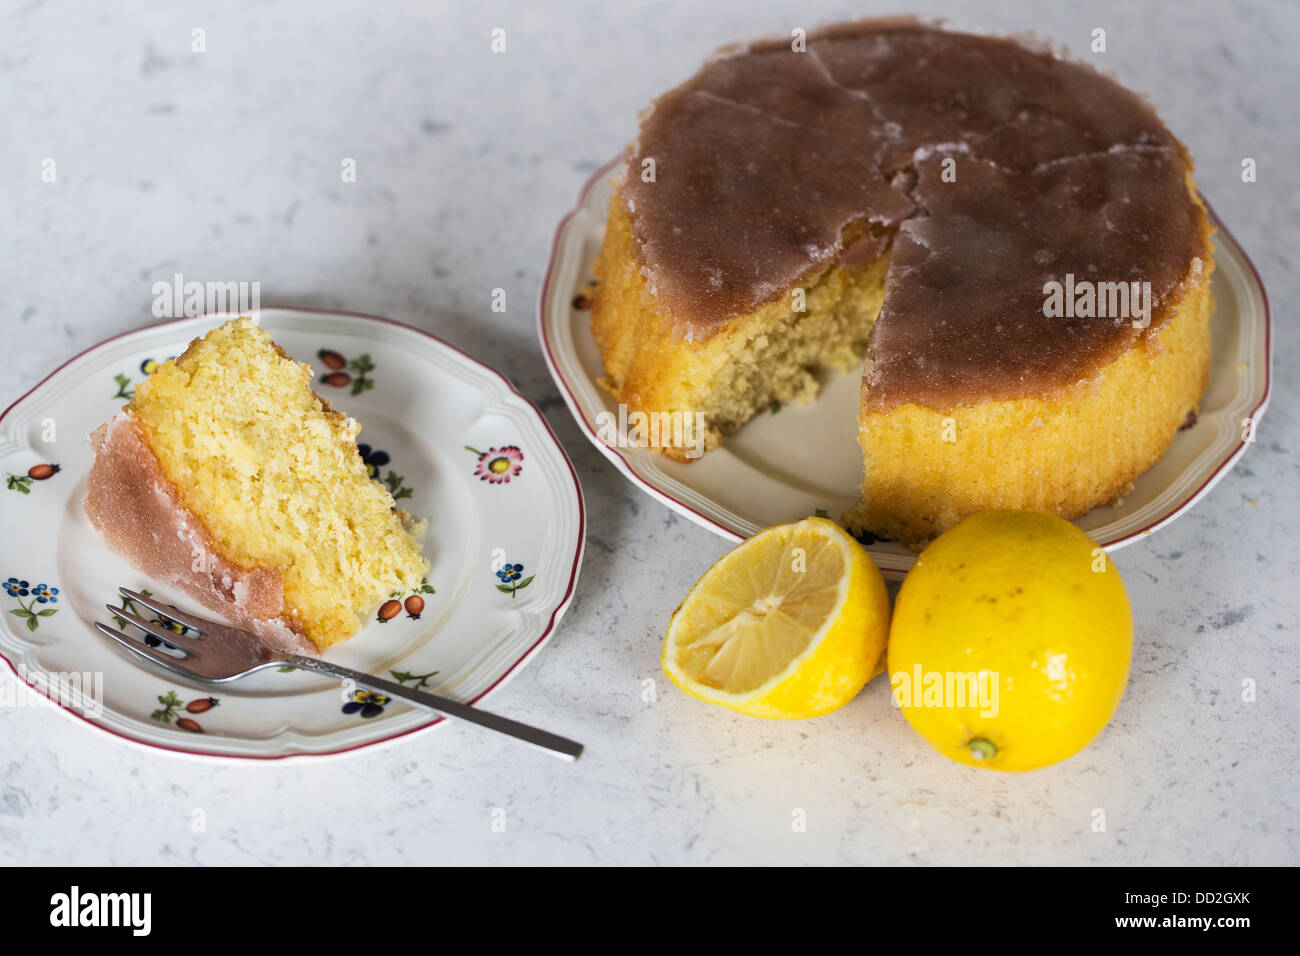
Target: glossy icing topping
x,y
986,167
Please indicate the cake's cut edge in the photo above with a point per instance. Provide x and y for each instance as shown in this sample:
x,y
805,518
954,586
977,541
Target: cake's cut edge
x,y
137,511
770,357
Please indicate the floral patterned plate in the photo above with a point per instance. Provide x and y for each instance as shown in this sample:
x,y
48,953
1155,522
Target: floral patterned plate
x,y
804,459
451,439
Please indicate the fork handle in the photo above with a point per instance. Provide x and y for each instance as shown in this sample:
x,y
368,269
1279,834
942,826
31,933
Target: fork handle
x,y
555,744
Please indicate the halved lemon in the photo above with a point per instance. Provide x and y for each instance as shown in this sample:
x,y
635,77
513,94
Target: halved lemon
x,y
789,624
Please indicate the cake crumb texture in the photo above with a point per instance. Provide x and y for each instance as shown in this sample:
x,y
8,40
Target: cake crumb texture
x,y
274,478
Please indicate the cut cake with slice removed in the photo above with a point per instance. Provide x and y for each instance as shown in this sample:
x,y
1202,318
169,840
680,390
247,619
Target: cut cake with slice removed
x,y
902,197
226,476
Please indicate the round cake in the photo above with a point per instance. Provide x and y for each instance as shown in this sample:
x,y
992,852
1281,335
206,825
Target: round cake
x,y
1007,242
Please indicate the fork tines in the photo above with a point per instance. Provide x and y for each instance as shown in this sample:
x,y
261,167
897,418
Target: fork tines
x,y
152,628
166,610
143,650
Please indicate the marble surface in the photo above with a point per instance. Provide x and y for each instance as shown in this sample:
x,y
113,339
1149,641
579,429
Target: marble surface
x,y
226,165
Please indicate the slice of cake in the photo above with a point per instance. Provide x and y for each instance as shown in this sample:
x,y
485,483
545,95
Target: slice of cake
x,y
228,477
901,197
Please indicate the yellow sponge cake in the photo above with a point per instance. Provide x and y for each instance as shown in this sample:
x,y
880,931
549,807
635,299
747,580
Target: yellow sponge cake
x,y
227,476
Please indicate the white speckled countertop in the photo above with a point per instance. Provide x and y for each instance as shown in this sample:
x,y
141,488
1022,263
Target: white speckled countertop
x,y
225,165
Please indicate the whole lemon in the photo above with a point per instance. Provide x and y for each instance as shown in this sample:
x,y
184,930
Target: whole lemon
x,y
1011,641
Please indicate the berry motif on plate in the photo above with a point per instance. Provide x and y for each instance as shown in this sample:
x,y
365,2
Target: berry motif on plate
x,y
147,368
584,301
342,372
512,580
176,711
870,537
497,466
176,627
23,483
367,703
375,460
413,604
31,611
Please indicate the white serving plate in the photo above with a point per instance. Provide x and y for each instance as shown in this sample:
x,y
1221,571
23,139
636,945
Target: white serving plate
x,y
427,402
786,466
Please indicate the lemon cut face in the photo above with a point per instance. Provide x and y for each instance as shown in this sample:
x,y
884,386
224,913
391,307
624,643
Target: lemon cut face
x,y
789,624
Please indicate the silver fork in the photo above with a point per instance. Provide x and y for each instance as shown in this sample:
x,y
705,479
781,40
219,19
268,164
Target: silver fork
x,y
218,653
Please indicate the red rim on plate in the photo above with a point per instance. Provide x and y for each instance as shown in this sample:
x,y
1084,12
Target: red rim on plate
x,y
510,671
620,461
